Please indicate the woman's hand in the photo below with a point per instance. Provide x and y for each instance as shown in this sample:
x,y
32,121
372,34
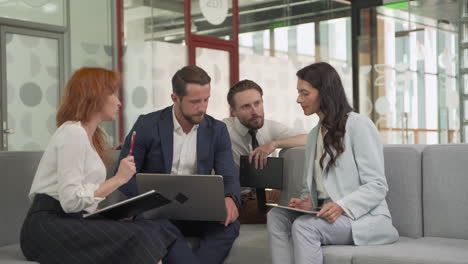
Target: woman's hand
x,y
126,169
304,204
330,212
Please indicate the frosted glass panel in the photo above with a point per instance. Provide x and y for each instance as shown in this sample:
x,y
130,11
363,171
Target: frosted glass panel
x,y
277,77
216,64
91,34
40,11
32,90
148,70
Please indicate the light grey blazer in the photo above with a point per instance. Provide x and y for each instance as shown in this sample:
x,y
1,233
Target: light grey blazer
x,y
357,181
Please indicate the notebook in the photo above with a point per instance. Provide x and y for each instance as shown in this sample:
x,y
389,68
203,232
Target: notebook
x,y
131,207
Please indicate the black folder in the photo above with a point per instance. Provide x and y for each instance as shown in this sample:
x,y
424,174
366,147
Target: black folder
x,y
271,176
131,207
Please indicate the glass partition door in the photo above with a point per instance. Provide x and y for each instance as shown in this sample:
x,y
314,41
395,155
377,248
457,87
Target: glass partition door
x,y
31,81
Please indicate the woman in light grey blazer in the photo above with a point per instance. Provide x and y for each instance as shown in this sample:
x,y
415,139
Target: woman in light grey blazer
x,y
343,173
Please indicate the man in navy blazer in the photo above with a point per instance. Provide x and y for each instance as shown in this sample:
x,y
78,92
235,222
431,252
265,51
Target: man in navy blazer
x,y
182,139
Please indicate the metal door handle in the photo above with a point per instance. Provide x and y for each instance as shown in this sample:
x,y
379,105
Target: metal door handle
x,y
9,131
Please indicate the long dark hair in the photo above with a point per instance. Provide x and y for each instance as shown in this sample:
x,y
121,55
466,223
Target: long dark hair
x,y
333,104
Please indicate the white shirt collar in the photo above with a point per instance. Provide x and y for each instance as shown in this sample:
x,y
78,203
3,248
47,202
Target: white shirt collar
x,y
243,130
177,127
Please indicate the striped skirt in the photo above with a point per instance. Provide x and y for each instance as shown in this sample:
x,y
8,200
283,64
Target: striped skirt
x,y
49,235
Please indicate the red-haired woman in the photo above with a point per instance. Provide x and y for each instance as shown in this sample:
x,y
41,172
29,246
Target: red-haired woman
x,y
71,180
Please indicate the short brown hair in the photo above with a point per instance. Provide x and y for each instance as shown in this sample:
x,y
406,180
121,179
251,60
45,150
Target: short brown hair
x,y
240,87
188,74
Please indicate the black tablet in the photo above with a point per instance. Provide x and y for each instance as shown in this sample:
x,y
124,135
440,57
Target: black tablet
x,y
271,176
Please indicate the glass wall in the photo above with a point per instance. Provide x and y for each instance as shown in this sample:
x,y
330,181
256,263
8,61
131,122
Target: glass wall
x,y
408,69
273,50
154,51
41,43
92,40
408,73
51,12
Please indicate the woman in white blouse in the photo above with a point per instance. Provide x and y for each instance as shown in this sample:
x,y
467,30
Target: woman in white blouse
x,y
71,180
343,173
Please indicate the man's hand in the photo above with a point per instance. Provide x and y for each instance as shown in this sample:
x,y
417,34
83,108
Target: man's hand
x,y
330,212
304,204
231,211
260,154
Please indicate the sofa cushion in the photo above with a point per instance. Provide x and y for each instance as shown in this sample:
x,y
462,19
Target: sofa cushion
x,y
12,254
426,250
338,254
18,170
251,246
403,169
445,185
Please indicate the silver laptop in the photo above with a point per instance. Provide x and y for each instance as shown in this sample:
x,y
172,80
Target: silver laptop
x,y
194,197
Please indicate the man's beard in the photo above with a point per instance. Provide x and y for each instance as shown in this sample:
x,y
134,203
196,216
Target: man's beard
x,y
193,119
254,125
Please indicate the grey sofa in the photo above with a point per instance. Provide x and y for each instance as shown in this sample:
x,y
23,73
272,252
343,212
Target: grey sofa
x,y
428,199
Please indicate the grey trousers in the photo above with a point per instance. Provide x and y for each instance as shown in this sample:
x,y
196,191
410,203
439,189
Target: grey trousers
x,y
295,238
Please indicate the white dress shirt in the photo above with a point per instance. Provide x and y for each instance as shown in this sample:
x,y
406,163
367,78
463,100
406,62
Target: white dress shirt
x,y
242,141
184,157
70,170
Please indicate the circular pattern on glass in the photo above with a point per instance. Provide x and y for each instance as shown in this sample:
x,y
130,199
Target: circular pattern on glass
x,y
139,97
90,48
30,94
382,106
109,50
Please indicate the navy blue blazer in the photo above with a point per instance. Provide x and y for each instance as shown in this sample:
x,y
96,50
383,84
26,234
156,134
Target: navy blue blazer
x,y
153,149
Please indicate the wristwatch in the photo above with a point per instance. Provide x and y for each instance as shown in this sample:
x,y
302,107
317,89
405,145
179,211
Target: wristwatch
x,y
234,198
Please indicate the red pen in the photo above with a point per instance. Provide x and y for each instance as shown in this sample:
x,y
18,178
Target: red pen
x,y
132,143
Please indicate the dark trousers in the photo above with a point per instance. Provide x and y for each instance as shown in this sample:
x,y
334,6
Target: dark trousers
x,y
216,241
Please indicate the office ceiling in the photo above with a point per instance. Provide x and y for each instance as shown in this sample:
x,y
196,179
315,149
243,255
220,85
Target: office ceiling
x,y
165,17
444,10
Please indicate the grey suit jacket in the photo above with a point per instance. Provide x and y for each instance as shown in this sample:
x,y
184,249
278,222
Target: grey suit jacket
x,y
357,181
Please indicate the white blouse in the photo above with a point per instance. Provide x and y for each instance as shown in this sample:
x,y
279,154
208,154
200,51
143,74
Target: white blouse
x,y
318,171
70,170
